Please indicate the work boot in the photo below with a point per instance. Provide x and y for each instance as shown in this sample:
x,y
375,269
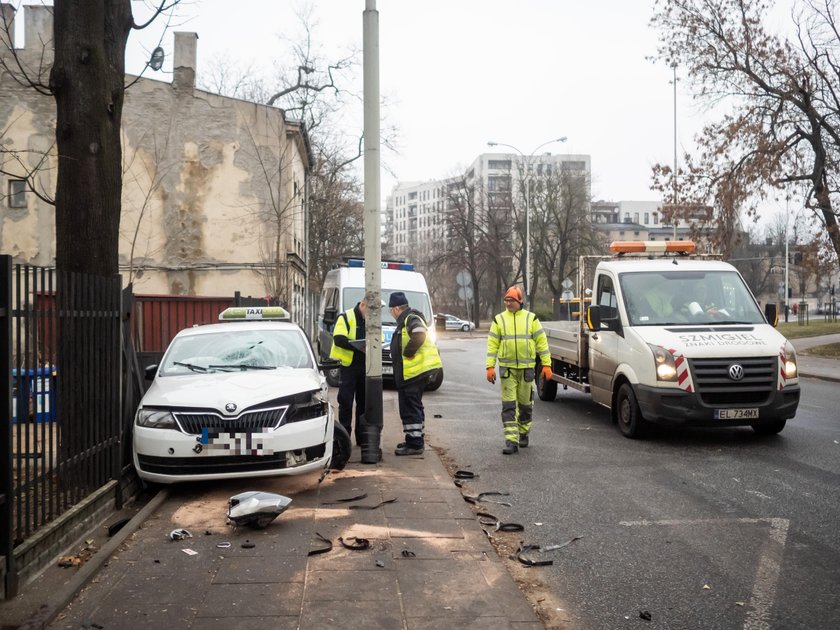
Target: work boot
x,y
405,449
523,440
510,448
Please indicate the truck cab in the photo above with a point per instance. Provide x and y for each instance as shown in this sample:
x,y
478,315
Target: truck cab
x,y
675,339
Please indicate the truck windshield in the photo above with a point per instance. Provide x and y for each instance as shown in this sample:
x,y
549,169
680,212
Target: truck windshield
x,y
688,297
416,300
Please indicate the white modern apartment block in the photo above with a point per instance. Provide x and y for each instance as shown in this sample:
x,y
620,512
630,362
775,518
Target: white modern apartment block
x,y
417,210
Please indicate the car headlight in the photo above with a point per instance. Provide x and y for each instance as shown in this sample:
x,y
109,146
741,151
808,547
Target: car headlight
x,y
791,370
155,419
307,406
666,369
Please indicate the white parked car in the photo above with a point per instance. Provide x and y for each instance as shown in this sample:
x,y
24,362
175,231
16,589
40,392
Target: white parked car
x,y
455,323
235,399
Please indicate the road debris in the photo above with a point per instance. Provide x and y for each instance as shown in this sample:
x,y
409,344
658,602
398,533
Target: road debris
x,y
179,534
190,552
359,545
315,552
372,507
347,500
644,614
482,497
529,562
256,509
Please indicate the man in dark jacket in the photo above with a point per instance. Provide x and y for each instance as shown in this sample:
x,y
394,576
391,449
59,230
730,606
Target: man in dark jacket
x,y
416,360
350,326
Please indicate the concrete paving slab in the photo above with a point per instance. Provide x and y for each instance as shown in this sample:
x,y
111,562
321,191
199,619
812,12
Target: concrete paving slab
x,y
341,615
256,600
247,623
423,528
134,616
361,586
260,569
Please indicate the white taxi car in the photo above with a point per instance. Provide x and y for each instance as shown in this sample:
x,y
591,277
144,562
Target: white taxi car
x,y
242,398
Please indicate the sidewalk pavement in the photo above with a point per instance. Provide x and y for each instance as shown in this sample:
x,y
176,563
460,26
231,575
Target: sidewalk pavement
x,y
450,575
813,366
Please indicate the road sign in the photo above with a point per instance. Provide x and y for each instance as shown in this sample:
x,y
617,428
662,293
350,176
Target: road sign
x,y
465,293
567,295
566,284
463,279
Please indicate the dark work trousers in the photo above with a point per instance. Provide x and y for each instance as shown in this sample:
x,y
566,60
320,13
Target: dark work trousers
x,y
412,414
352,385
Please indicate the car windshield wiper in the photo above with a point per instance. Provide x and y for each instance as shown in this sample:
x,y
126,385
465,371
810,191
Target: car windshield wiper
x,y
242,366
194,368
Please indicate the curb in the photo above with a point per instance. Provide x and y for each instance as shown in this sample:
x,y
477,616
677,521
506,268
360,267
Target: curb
x,y
821,377
66,593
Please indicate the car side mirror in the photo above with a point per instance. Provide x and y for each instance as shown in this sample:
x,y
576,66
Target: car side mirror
x,y
771,312
593,318
150,372
330,315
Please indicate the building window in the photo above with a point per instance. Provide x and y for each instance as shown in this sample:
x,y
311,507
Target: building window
x,y
498,164
647,218
17,193
655,218
635,217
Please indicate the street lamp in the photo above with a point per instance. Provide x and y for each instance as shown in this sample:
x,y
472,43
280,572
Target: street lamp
x,y
527,202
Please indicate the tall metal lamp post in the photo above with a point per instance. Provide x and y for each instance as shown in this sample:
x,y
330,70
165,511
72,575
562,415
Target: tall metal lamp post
x,y
526,161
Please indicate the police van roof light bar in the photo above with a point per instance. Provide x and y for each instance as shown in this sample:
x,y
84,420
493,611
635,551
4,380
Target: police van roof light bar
x,y
386,264
652,247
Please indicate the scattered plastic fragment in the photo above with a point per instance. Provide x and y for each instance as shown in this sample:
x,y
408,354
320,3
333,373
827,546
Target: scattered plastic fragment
x,y
408,554
315,552
644,614
371,507
485,518
256,509
248,545
528,562
706,587
482,496
347,500
190,552
465,474
89,541
380,564
359,545
538,524
438,415
179,534
739,603
223,545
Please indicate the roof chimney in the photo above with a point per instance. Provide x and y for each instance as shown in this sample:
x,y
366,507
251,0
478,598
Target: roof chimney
x,y
183,64
38,28
7,25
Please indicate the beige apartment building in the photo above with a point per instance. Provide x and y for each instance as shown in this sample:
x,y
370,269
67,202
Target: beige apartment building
x,y
214,188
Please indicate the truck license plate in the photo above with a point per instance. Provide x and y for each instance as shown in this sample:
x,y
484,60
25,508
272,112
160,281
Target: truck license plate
x,y
736,414
388,370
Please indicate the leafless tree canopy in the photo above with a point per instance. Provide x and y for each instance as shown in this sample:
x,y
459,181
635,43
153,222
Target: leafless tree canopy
x,y
783,129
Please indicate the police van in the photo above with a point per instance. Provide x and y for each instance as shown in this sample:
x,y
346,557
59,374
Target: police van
x,y
344,286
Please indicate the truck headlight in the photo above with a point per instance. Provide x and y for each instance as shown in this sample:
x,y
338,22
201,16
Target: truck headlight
x,y
791,370
155,419
666,369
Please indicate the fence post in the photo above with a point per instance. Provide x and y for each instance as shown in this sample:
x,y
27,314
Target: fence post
x,y
10,585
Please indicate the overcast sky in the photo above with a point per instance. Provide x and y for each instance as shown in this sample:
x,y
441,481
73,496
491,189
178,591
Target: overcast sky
x,y
458,73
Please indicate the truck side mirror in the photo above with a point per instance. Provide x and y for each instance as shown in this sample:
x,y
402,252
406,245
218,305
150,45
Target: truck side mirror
x,y
330,315
593,318
772,314
150,372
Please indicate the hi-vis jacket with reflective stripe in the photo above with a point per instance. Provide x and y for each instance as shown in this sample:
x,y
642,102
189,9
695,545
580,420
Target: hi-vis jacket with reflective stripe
x,y
516,339
345,325
424,360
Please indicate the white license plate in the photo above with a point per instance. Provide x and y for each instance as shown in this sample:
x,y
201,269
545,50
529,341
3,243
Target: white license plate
x,y
387,370
736,414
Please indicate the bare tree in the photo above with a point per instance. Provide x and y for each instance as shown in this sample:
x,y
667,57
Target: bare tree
x,y
562,230
783,94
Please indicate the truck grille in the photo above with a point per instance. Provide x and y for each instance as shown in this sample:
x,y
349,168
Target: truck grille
x,y
716,388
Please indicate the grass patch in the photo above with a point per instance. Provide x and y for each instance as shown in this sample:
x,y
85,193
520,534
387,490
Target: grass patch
x,y
792,330
829,351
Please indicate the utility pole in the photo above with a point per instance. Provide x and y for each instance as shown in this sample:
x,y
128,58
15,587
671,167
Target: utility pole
x,y
371,452
674,218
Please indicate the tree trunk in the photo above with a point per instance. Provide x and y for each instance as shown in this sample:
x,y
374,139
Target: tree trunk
x,y
87,80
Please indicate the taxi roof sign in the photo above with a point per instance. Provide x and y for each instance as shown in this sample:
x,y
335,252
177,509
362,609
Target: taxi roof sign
x,y
652,247
260,313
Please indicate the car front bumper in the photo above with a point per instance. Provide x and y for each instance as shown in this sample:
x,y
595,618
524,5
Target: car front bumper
x,y
170,456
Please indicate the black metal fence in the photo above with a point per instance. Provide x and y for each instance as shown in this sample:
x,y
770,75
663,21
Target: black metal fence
x,y
60,414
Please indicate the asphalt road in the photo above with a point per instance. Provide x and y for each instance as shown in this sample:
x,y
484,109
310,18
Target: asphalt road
x,y
700,528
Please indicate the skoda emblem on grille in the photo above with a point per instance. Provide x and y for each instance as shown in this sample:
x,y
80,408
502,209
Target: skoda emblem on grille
x,y
231,407
736,372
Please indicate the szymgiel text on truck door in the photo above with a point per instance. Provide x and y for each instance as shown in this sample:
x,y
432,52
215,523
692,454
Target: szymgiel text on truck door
x,y
673,338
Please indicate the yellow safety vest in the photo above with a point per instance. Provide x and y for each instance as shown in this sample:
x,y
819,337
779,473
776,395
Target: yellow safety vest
x,y
424,360
345,325
515,339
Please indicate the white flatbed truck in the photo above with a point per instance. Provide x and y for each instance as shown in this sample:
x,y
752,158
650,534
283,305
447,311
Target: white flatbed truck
x,y
672,338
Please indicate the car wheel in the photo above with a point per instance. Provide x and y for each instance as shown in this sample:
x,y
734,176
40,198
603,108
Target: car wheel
x,y
465,328
769,428
435,382
342,447
546,389
333,377
629,416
